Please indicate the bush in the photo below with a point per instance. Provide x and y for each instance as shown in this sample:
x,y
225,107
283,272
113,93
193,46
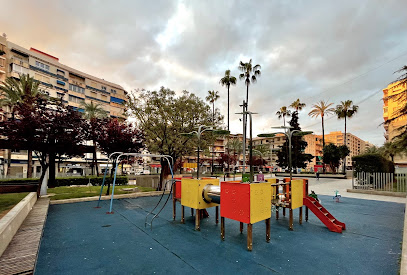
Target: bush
x,y
372,163
120,180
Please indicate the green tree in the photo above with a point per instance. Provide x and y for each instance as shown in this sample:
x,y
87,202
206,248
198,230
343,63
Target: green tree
x,y
391,149
263,151
322,109
94,113
13,92
249,75
298,145
163,117
228,80
332,154
343,111
283,112
297,105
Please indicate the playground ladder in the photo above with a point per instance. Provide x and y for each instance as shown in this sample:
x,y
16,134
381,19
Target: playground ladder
x,y
333,224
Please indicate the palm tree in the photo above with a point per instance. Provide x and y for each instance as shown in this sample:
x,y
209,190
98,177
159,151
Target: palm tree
x,y
93,113
297,105
345,110
391,149
321,109
19,91
263,150
212,97
228,80
283,112
249,73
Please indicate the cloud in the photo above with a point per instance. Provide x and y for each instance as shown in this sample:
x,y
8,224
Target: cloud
x,y
310,50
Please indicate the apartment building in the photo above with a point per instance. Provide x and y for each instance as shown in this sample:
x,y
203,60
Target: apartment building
x,y
355,144
314,148
57,80
391,106
274,144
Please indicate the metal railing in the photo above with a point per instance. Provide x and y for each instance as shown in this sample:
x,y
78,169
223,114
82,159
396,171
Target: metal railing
x,y
391,182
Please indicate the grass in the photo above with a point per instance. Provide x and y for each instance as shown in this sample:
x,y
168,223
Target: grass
x,y
7,201
66,192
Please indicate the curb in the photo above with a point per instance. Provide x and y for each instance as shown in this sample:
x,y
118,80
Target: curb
x,y
121,196
374,192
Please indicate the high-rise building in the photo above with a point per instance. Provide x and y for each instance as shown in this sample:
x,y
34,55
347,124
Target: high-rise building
x,y
314,148
274,144
57,80
394,98
356,145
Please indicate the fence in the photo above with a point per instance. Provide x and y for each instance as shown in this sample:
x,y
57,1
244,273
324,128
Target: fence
x,y
392,182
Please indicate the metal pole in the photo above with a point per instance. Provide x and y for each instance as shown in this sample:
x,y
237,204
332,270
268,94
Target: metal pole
x,y
197,165
251,150
244,139
289,154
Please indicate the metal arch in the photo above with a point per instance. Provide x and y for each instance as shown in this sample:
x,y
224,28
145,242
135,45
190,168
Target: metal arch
x,y
166,157
104,177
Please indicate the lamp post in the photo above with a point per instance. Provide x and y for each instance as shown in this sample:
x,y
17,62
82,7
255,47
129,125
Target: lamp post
x,y
198,133
288,132
245,113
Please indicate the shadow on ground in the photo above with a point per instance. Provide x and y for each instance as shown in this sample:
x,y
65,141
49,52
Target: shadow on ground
x,y
79,239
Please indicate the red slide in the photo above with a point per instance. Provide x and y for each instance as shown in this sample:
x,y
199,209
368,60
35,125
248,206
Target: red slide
x,y
333,224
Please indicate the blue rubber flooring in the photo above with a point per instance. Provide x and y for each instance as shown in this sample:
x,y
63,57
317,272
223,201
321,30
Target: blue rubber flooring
x,y
79,239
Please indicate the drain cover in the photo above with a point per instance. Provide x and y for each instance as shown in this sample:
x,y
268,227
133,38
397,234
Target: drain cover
x,y
106,225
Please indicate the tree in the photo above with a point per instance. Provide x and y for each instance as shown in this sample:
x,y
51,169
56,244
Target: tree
x,y
332,155
256,161
228,80
372,163
94,113
47,128
212,97
235,145
13,92
249,75
391,149
163,117
283,112
298,145
226,159
297,105
262,150
343,111
118,136
322,109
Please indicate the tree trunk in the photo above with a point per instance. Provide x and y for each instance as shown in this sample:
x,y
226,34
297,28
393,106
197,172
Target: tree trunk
x,y
112,171
29,164
95,159
228,107
8,161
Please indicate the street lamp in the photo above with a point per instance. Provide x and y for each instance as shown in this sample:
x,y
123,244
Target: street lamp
x,y
198,133
288,132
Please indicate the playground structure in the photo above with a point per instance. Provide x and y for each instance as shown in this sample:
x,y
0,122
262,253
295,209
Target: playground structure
x,y
249,203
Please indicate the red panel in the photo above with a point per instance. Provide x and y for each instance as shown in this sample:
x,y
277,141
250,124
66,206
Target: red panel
x,y
235,201
178,188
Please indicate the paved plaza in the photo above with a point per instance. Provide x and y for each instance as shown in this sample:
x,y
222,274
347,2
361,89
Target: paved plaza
x,y
79,239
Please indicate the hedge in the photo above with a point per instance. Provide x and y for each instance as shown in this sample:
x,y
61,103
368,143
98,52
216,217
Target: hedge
x,y
120,180
372,163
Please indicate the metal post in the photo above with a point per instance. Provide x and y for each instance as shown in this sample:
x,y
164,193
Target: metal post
x,y
289,154
244,139
251,150
197,165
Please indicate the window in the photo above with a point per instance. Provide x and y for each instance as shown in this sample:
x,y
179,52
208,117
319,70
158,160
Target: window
x,y
103,88
43,91
18,69
76,89
60,72
113,91
42,65
2,63
75,99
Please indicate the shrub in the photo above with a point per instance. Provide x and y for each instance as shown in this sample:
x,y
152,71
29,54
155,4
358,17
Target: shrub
x,y
372,163
120,180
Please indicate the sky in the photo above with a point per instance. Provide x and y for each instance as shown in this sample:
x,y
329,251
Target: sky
x,y
311,50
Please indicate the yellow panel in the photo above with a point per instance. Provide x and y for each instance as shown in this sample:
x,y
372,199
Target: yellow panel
x,y
260,198
273,180
191,193
297,195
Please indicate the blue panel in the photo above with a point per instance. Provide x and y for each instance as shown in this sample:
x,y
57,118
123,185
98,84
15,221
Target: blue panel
x,y
60,82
